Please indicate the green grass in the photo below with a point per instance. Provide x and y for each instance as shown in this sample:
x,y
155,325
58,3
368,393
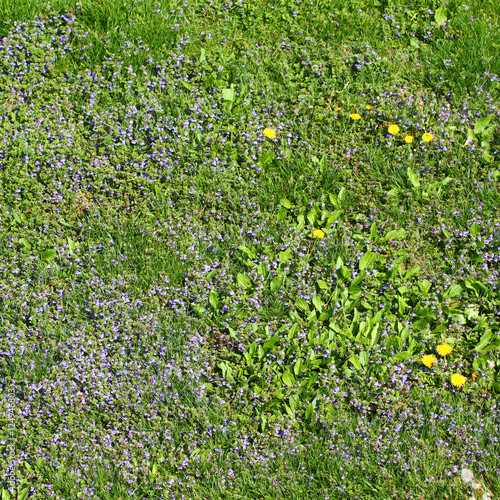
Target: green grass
x,y
171,326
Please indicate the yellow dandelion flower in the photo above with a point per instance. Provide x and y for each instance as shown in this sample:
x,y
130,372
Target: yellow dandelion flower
x,y
319,233
369,106
444,349
339,109
269,133
355,116
427,137
409,139
428,359
393,129
458,380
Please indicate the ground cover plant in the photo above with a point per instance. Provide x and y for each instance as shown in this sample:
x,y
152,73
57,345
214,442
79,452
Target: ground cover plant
x,y
249,249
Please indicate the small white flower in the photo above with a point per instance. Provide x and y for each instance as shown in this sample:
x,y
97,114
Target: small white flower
x,y
476,484
467,475
491,364
487,496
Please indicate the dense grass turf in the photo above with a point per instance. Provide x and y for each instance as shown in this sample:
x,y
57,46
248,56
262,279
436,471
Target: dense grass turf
x,y
249,249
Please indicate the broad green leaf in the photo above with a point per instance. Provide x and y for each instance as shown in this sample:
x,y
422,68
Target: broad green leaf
x,y
25,243
281,214
309,412
302,305
311,381
325,315
291,414
493,346
252,350
333,217
402,305
49,255
475,229
424,286
334,200
482,123
375,335
228,94
405,333
261,353
394,235
364,358
251,253
288,379
294,401
266,157
187,85
355,287
484,341
23,493
276,283
354,360
285,255
323,285
411,272
413,177
286,203
71,245
297,367
368,260
213,299
442,14
446,234
293,331
401,356
454,290
270,343
243,281
311,216
18,220
477,286
317,302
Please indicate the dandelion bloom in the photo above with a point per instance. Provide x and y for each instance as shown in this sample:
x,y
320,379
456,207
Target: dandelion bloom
x,y
355,116
428,359
269,133
393,129
319,233
409,139
458,380
369,106
444,349
467,475
427,137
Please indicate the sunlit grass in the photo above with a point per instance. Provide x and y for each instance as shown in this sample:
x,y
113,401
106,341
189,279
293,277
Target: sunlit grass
x,y
249,250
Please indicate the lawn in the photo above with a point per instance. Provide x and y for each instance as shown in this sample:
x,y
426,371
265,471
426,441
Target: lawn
x,y
249,249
